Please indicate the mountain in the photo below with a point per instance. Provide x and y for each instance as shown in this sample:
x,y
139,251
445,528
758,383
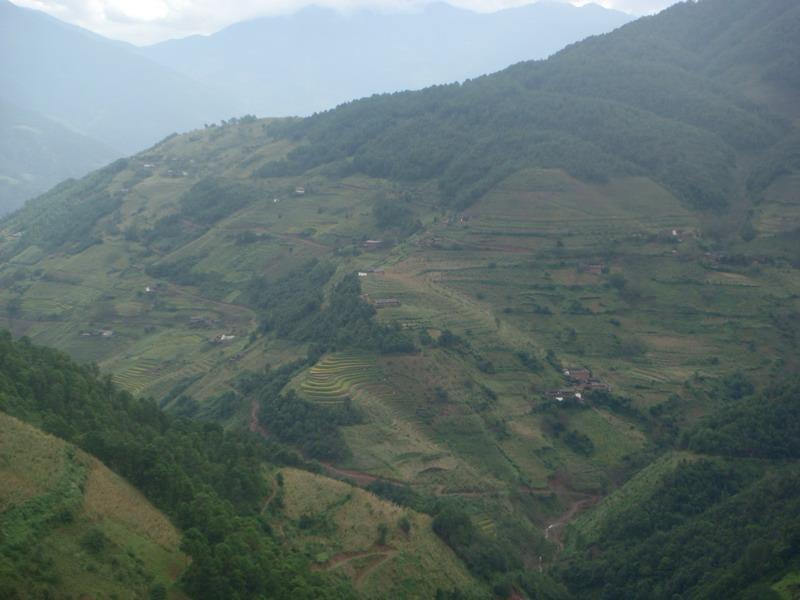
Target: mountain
x,y
97,87
318,58
36,153
555,309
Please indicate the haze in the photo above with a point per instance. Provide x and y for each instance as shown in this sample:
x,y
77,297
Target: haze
x,y
145,22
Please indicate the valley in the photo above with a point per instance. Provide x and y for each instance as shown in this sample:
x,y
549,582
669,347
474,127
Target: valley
x,y
506,338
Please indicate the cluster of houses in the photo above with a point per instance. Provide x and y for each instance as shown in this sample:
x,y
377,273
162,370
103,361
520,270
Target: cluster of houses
x,y
429,242
385,302
460,219
151,288
380,302
581,381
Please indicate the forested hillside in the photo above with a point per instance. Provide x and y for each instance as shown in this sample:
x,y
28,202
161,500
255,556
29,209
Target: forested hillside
x,y
638,101
547,320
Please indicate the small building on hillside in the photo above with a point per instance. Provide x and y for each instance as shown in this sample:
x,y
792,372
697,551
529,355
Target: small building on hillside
x,y
578,375
299,191
566,395
373,245
386,302
595,268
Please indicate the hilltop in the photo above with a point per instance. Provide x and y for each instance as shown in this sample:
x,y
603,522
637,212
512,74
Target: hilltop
x,y
495,303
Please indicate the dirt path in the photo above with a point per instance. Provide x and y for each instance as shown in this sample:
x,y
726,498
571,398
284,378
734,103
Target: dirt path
x,y
370,568
380,553
554,532
270,498
255,424
241,312
358,477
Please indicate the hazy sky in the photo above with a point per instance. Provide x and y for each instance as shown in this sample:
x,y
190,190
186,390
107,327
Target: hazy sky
x,y
149,21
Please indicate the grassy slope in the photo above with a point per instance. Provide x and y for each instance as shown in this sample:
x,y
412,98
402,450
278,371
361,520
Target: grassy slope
x,y
337,525
45,479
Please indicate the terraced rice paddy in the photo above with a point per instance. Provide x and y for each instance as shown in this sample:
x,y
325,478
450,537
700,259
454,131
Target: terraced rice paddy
x,y
139,375
337,376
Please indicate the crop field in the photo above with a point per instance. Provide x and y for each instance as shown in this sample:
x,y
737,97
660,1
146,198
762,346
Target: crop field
x,y
338,377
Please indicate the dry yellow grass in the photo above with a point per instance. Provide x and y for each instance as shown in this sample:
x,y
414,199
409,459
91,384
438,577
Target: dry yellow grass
x,y
30,461
144,544
108,496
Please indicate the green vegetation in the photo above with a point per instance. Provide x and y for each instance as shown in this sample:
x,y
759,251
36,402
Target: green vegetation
x,y
69,524
722,527
209,482
312,428
294,307
587,272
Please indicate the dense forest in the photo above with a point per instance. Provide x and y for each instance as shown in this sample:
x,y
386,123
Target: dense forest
x,y
295,307
721,525
597,109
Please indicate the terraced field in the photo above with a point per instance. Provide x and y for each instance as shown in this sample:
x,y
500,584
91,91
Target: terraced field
x,y
338,376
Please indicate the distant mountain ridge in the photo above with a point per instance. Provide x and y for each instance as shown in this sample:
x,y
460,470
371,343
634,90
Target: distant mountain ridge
x,y
98,87
110,98
36,153
317,58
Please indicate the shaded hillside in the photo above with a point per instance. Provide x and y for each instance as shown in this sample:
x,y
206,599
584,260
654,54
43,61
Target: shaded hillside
x,y
97,87
317,58
37,153
723,523
71,525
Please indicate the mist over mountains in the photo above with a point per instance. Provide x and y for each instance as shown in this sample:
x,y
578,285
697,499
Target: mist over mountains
x,y
121,99
318,58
